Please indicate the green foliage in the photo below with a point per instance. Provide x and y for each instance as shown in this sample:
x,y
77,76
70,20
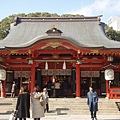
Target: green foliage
x,y
5,23
70,15
112,34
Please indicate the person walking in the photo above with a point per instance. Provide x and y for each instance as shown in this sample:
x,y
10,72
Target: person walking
x,y
37,108
13,90
23,104
92,101
46,98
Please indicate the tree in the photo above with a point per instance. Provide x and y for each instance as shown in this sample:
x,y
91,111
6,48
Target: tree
x,y
70,15
5,24
112,34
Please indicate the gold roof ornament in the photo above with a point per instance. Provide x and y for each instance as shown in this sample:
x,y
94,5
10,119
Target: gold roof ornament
x,y
13,51
54,44
53,26
54,31
94,51
29,51
78,51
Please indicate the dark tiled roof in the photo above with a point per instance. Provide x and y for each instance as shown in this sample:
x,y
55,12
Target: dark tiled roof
x,y
83,32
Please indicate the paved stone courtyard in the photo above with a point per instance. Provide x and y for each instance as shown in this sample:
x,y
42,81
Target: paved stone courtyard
x,y
69,117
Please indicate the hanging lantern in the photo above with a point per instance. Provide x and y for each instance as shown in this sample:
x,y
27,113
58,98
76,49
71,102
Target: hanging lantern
x,y
110,58
64,65
53,79
109,74
79,61
2,74
30,61
46,66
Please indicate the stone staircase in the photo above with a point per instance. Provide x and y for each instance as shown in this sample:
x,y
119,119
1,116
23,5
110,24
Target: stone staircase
x,y
66,106
7,105
75,106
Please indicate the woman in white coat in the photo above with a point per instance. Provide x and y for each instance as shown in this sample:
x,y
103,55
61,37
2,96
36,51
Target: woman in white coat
x,y
46,98
37,108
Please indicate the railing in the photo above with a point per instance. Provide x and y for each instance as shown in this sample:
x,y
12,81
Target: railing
x,y
114,93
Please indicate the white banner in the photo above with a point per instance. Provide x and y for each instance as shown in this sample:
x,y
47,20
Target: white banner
x,y
56,72
25,74
90,74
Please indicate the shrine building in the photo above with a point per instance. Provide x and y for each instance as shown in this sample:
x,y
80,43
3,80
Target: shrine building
x,y
75,49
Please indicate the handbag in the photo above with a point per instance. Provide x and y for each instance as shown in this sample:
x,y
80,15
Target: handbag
x,y
13,116
42,101
37,95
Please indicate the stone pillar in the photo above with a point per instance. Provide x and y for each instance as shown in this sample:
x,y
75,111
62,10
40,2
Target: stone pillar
x,y
32,76
78,81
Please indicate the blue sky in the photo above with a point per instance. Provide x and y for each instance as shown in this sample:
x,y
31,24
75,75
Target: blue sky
x,y
107,8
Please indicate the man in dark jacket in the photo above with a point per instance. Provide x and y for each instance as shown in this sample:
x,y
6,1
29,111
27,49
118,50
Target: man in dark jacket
x,y
23,104
92,101
49,85
65,86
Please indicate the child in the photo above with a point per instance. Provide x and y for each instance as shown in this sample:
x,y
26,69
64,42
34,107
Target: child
x,y
45,95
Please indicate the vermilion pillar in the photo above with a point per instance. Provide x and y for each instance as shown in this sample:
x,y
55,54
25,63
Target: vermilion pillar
x,y
1,89
4,88
32,77
107,88
77,80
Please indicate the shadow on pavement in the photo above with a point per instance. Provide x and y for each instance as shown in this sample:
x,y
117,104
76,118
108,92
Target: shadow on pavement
x,y
62,111
51,111
5,103
5,113
118,105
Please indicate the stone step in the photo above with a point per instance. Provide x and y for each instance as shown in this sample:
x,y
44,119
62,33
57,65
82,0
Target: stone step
x,y
79,112
66,100
65,106
80,106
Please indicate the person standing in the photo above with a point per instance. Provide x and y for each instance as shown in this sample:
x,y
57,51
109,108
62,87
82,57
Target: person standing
x,y
49,85
23,104
46,98
92,101
37,108
65,86
57,88
13,89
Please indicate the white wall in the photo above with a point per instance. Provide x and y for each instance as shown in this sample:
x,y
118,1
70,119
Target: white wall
x,y
114,22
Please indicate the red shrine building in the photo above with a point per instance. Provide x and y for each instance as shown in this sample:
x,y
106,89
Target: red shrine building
x,y
76,49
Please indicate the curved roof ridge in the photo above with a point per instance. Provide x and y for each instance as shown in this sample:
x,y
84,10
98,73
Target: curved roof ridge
x,y
87,34
46,37
78,17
